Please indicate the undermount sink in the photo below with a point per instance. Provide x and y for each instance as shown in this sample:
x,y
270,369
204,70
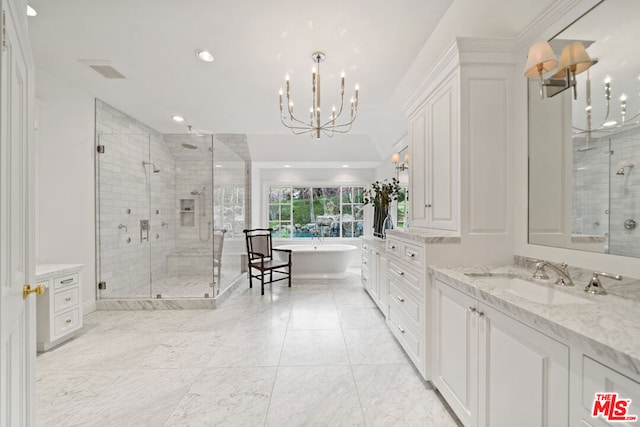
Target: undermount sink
x,y
543,294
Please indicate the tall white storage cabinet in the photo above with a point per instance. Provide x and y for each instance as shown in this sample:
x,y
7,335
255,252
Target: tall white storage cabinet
x,y
459,149
58,313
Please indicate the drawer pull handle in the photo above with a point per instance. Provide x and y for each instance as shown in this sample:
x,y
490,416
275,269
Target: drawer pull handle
x,y
392,246
427,206
68,321
400,298
400,329
472,310
67,299
411,254
480,313
364,262
400,273
65,281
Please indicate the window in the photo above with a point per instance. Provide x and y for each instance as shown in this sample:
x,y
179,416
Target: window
x,y
228,205
316,211
280,211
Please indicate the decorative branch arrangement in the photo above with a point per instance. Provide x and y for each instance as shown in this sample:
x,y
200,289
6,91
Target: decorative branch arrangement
x,y
380,195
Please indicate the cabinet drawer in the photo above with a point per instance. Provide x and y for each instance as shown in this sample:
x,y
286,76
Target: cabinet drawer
x,y
66,299
408,276
413,254
66,322
407,304
410,341
598,378
63,281
393,246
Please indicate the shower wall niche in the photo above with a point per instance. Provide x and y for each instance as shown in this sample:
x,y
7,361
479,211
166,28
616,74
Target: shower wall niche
x,y
161,233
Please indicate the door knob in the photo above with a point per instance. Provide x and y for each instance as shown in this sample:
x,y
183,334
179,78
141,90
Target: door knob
x,y
38,290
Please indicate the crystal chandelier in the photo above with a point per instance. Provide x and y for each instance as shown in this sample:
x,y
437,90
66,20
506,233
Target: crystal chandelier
x,y
315,124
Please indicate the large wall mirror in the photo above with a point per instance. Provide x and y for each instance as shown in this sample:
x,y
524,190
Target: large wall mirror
x,y
584,141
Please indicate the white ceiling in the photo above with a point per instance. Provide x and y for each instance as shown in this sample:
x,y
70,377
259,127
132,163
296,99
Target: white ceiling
x,y
152,42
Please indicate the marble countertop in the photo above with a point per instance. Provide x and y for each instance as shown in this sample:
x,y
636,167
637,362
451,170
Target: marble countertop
x,y
607,325
425,235
47,271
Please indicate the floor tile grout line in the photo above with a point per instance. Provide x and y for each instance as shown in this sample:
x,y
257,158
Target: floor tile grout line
x,y
353,375
275,377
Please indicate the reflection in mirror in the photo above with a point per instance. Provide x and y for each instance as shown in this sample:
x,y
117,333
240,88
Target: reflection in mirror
x,y
584,143
400,161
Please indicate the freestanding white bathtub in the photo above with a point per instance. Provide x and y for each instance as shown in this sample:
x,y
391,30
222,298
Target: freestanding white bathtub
x,y
321,260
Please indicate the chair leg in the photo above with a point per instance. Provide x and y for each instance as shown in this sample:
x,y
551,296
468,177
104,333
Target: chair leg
x,y
289,275
270,276
262,283
250,278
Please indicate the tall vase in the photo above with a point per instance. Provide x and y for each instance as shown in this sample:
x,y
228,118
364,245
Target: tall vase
x,y
381,221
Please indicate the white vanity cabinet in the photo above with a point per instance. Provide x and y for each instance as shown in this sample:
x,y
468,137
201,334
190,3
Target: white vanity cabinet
x,y
593,377
374,274
58,311
408,294
494,370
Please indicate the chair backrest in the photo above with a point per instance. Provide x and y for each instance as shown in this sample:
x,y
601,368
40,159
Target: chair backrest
x,y
258,242
218,242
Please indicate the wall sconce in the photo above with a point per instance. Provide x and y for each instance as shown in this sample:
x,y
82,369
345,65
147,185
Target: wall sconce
x,y
400,167
574,59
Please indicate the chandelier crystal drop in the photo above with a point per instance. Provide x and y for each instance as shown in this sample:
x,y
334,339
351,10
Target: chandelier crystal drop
x,y
315,125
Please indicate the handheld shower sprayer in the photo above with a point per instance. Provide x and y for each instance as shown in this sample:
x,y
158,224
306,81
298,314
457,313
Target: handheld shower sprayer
x,y
155,168
623,166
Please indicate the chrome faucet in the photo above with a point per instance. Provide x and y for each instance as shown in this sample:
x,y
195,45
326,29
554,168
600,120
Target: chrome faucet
x,y
595,287
561,271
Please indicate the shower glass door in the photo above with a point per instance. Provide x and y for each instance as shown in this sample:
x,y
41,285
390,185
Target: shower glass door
x,y
124,170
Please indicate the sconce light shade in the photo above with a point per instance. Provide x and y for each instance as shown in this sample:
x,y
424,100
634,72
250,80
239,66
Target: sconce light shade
x,y
540,60
575,58
395,159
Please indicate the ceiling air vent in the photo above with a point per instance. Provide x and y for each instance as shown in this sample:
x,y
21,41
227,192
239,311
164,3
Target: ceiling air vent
x,y
107,71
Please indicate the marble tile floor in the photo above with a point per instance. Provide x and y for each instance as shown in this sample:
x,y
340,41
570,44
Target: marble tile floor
x,y
318,354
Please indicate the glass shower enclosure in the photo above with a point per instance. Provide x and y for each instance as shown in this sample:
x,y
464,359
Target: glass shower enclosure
x,y
170,210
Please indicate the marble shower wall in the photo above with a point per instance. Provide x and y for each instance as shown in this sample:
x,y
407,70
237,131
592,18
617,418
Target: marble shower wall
x,y
126,193
604,200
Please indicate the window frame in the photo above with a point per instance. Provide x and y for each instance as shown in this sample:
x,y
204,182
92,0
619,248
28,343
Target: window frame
x,y
313,186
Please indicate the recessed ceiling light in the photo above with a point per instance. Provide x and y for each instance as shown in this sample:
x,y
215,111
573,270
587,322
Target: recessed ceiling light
x,y
31,11
218,166
286,166
345,166
178,119
204,55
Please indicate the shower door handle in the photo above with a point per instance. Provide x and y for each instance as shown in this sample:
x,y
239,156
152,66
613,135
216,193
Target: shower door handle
x,y
144,230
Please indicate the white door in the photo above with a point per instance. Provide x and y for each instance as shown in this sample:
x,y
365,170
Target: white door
x,y
17,316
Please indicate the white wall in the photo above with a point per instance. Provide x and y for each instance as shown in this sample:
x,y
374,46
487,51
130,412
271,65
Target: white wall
x,y
65,202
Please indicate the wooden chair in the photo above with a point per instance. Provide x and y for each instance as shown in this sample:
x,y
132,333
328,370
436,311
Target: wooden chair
x,y
260,255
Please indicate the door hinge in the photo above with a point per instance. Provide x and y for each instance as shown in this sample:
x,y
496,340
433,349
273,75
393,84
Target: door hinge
x,y
102,285
4,31
100,149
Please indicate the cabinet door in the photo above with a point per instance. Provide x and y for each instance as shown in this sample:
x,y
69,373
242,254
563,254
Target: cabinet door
x,y
523,374
456,350
417,172
442,158
383,284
